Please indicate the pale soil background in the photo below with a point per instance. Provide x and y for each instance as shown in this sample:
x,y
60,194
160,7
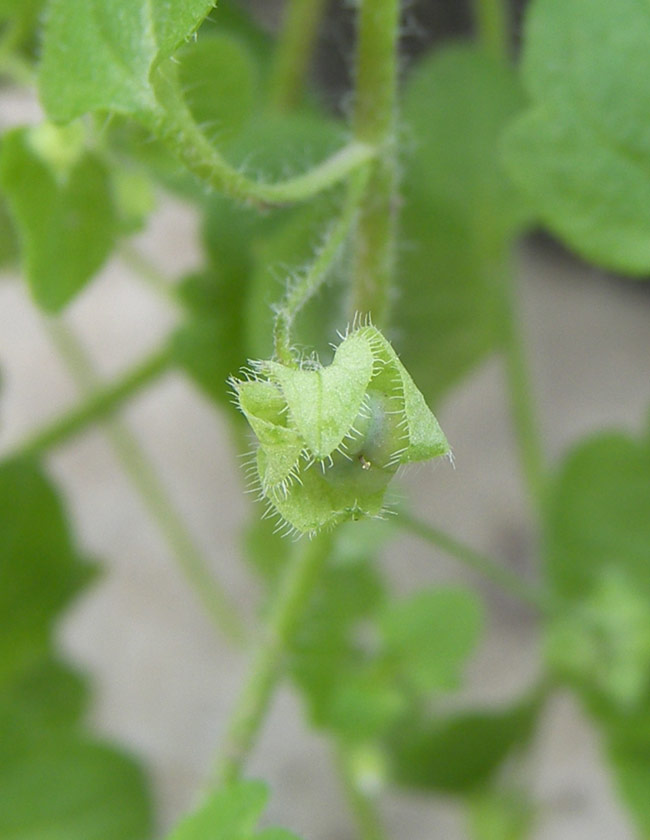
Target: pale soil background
x,y
164,681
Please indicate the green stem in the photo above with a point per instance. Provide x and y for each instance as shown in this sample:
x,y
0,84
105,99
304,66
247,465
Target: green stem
x,y
374,122
291,599
301,291
493,27
293,52
98,405
524,416
176,127
488,568
142,474
361,804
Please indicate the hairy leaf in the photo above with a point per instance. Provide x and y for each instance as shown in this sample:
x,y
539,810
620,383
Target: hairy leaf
x,y
120,41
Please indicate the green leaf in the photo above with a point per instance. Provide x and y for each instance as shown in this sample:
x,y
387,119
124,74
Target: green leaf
x,y
461,753
99,54
66,788
430,635
631,770
40,570
60,198
230,814
460,214
598,516
219,83
582,152
500,815
48,696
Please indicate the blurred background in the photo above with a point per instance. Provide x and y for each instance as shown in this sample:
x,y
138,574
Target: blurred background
x,y
164,681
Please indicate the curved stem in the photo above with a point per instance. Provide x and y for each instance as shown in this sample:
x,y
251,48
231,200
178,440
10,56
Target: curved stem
x,y
142,474
487,567
101,403
176,128
492,26
291,599
293,52
374,123
300,292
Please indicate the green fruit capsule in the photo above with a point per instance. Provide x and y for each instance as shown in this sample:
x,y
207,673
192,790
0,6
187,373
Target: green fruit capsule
x,y
331,438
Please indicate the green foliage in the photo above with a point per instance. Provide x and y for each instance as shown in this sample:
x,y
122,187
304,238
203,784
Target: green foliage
x,y
230,814
40,570
459,754
582,152
429,636
61,200
121,40
500,815
55,782
459,214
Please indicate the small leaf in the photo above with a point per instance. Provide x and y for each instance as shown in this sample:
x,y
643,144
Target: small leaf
x,y
582,152
40,570
60,198
598,516
460,754
120,41
230,814
501,815
430,635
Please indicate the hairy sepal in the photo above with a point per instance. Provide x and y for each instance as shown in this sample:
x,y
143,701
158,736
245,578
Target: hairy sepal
x,y
331,438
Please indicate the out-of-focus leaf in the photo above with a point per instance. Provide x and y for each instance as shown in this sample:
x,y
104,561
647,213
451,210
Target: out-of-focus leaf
x,y
66,788
8,242
230,814
219,84
582,152
121,41
460,214
60,198
46,697
40,570
598,516
430,635
459,754
601,643
500,815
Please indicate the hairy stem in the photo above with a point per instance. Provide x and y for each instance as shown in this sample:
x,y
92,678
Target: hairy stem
x,y
300,292
374,121
361,804
492,27
175,126
99,404
291,598
293,52
142,474
487,567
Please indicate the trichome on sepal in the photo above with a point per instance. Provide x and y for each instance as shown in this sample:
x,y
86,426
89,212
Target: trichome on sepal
x,y
330,438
